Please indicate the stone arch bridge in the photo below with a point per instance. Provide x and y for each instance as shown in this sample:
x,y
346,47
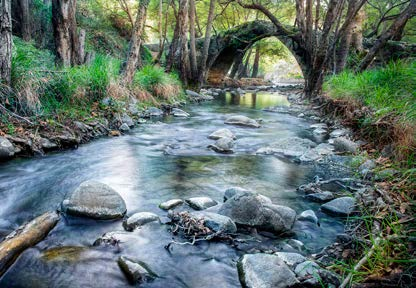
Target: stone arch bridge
x,y
228,45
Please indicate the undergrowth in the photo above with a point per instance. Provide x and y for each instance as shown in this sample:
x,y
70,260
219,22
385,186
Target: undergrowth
x,y
42,89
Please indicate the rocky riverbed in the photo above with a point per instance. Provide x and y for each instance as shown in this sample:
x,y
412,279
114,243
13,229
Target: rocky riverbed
x,y
252,189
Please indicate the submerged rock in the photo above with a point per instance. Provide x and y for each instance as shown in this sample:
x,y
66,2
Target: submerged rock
x,y
179,113
289,147
343,206
201,203
320,197
170,204
136,271
264,271
6,149
250,209
139,219
241,120
222,133
216,222
308,215
95,200
223,145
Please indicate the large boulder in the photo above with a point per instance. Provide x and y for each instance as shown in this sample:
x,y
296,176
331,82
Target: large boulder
x,y
139,219
216,222
6,149
250,209
223,145
135,271
343,206
222,133
264,271
241,120
95,200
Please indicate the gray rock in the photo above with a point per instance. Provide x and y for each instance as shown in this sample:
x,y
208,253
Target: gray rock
x,y
319,126
201,203
115,238
230,192
324,149
321,197
95,200
264,271
83,127
124,128
338,133
222,133
179,113
216,222
343,144
308,215
307,268
153,112
133,109
127,120
343,206
296,244
135,271
198,97
139,219
7,149
47,144
291,258
386,174
319,131
170,204
367,166
241,120
192,93
223,145
250,209
289,147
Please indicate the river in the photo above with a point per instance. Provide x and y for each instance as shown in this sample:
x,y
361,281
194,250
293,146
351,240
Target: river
x,y
161,160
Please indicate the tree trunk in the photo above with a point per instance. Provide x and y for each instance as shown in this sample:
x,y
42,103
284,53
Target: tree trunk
x,y
238,60
173,45
207,42
133,54
5,41
244,68
256,63
344,45
184,65
395,28
192,41
357,35
65,32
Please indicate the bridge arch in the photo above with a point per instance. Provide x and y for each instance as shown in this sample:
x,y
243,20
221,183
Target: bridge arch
x,y
228,45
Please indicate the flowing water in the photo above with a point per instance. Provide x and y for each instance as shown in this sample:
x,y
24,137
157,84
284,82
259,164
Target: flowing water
x,y
158,161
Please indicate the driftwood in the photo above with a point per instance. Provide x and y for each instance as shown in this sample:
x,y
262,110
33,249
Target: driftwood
x,y
25,236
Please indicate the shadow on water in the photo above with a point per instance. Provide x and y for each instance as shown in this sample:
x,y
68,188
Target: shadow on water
x,y
157,162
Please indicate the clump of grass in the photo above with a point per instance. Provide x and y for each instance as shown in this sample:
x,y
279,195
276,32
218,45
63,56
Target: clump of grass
x,y
158,83
390,93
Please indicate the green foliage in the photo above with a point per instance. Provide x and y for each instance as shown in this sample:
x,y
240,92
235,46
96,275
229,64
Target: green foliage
x,y
391,89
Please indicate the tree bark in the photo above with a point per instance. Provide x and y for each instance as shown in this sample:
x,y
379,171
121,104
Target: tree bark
x,y
244,68
238,60
400,21
5,42
133,55
256,63
174,44
192,41
184,65
65,32
357,35
207,42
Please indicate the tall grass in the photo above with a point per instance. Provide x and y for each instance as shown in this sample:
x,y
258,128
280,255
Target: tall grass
x,y
388,90
40,88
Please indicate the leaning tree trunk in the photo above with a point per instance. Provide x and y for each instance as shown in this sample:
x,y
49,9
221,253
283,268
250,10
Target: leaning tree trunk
x,y
395,28
238,60
5,42
133,55
256,63
184,65
192,41
207,42
170,63
65,32
243,71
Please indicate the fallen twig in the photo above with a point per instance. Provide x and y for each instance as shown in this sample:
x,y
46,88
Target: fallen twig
x,y
15,115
